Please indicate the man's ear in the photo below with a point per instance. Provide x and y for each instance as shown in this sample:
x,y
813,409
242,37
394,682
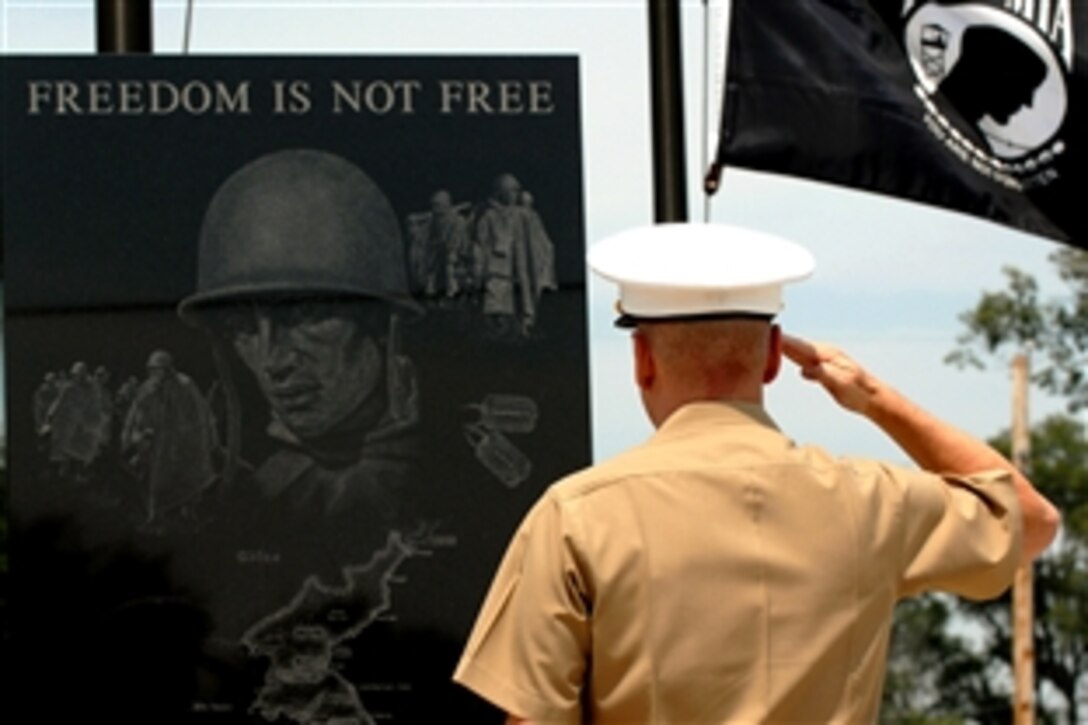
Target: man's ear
x,y
774,355
645,368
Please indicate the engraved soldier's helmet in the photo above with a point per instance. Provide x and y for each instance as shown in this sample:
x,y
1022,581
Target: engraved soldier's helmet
x,y
298,223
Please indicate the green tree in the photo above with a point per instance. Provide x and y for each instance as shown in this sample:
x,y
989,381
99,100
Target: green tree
x,y
1016,317
1055,331
1059,467
935,676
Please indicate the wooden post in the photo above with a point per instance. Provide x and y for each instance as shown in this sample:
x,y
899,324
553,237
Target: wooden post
x,y
1023,640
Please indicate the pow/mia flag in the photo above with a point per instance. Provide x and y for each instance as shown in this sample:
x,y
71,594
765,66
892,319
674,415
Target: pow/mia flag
x,y
974,106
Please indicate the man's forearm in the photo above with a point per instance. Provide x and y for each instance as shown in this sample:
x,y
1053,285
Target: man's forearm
x,y
942,448
933,444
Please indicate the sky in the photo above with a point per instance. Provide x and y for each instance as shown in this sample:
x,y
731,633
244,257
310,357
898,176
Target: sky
x,y
891,278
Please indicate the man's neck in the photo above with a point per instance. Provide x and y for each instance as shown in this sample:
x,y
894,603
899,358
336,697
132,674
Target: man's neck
x,y
667,405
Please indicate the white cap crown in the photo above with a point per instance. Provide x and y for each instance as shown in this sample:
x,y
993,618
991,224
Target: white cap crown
x,y
698,270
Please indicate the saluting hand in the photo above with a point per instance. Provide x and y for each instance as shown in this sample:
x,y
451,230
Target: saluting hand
x,y
848,383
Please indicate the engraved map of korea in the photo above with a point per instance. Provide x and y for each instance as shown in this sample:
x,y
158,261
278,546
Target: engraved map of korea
x,y
303,641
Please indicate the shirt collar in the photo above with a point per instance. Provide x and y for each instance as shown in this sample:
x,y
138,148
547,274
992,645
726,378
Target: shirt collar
x,y
714,412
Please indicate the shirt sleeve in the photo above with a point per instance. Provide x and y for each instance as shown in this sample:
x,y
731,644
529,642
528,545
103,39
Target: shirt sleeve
x,y
528,650
961,534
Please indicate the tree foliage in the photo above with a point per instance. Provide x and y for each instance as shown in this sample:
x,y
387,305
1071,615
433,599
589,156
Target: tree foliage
x,y
1059,468
938,675
969,679
1017,317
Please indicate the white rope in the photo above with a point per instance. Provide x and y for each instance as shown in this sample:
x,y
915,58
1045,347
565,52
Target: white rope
x,y
188,32
715,40
706,106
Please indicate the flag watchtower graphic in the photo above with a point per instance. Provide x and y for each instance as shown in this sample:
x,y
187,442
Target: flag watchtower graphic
x,y
971,106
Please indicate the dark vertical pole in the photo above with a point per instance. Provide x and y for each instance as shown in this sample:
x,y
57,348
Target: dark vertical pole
x,y
667,100
124,26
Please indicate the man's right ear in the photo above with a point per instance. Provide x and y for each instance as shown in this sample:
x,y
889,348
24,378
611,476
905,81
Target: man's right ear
x,y
645,367
774,355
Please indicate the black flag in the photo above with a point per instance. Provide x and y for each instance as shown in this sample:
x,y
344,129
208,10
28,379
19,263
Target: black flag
x,y
974,106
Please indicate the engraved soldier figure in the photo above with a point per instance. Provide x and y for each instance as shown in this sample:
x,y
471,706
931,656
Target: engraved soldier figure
x,y
74,425
44,396
509,304
168,441
301,275
301,286
449,232
442,254
541,248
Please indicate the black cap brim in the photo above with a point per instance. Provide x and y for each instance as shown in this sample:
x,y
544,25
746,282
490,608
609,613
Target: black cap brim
x,y
627,322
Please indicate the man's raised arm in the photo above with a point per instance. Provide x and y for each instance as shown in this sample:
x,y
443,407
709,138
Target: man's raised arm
x,y
934,445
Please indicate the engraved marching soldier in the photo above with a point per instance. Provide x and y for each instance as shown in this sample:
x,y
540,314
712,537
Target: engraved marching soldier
x,y
44,397
168,441
74,425
509,301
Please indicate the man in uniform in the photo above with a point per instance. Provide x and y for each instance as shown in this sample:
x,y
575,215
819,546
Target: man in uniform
x,y
719,573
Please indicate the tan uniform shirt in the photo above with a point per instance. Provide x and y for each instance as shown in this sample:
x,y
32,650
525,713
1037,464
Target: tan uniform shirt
x,y
720,574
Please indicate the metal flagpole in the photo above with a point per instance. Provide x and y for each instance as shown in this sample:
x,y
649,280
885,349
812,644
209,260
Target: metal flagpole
x,y
1023,639
123,26
667,102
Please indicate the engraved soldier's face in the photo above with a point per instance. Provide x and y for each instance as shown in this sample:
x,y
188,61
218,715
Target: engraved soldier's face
x,y
507,189
156,373
314,362
441,203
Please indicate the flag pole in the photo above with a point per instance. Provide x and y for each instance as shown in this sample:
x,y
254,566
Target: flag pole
x,y
123,26
1023,615
667,105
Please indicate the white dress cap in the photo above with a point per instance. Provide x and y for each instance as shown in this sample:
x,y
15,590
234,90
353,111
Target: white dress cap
x,y
691,270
